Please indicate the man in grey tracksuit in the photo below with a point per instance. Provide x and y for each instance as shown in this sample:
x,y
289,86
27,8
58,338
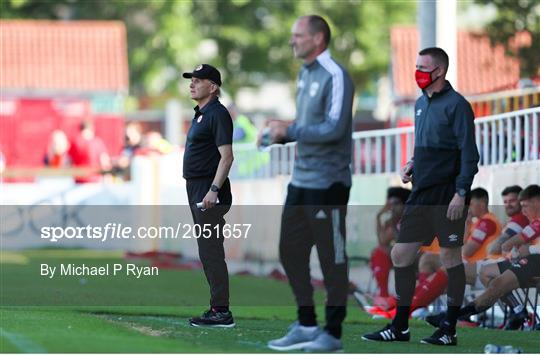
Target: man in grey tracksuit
x,y
317,197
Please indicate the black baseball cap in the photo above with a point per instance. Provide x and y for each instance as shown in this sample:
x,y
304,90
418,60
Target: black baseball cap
x,y
205,71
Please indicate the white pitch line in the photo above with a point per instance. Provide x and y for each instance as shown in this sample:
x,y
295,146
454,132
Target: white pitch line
x,y
255,344
21,342
177,322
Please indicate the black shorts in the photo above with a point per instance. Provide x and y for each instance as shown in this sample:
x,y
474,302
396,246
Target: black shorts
x,y
424,218
525,268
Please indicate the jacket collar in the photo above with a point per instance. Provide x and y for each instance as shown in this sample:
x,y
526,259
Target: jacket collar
x,y
447,87
324,55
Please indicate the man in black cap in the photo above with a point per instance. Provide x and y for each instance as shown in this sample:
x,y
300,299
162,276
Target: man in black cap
x,y
208,158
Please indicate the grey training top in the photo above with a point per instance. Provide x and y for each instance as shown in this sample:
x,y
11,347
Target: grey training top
x,y
323,123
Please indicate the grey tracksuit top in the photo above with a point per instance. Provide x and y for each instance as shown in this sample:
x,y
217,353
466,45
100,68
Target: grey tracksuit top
x,y
444,146
322,127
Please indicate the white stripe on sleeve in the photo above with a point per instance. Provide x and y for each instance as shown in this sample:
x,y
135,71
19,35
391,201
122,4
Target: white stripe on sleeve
x,y
338,86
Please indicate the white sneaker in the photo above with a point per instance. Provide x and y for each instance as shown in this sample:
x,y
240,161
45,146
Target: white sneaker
x,y
324,343
296,338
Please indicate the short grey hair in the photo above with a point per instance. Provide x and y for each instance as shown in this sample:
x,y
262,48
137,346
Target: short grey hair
x,y
218,91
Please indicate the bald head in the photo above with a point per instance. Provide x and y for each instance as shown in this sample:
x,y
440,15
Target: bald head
x,y
309,37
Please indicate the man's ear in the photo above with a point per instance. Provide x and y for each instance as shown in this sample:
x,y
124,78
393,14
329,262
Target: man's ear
x,y
319,38
442,71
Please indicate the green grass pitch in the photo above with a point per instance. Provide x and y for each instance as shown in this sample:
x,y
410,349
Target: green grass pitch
x,y
159,323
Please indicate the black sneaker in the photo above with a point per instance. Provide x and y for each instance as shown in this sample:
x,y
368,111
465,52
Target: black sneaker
x,y
516,320
213,319
436,319
442,336
388,333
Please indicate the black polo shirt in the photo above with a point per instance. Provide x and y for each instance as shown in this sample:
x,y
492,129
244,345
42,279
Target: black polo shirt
x,y
211,128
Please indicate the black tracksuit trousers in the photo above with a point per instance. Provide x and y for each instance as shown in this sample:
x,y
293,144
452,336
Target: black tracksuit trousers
x,y
211,251
316,217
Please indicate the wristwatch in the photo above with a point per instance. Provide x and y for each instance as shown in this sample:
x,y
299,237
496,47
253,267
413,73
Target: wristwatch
x,y
461,192
214,188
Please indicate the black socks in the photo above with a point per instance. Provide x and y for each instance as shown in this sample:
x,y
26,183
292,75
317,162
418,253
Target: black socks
x,y
306,316
405,285
456,289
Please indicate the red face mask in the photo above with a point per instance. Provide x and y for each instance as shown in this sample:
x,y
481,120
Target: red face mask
x,y
423,78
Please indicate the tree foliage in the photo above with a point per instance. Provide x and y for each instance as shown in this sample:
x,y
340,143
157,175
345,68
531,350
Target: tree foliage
x,y
513,17
166,37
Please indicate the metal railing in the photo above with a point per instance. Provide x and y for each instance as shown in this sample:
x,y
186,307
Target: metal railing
x,y
504,138
504,101
508,137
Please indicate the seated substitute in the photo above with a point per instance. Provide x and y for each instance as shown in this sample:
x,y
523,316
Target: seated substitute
x,y
516,273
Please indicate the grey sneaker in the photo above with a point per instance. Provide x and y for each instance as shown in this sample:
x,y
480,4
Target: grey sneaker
x,y
296,338
324,343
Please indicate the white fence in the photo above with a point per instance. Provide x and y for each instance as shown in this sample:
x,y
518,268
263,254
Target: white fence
x,y
508,137
504,138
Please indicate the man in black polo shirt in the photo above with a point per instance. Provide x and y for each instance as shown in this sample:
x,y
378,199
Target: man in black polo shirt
x,y
208,158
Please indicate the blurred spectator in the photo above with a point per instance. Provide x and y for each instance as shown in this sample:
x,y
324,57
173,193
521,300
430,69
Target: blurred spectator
x,y
249,162
243,129
57,150
387,229
154,143
89,151
485,229
133,142
517,222
133,139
